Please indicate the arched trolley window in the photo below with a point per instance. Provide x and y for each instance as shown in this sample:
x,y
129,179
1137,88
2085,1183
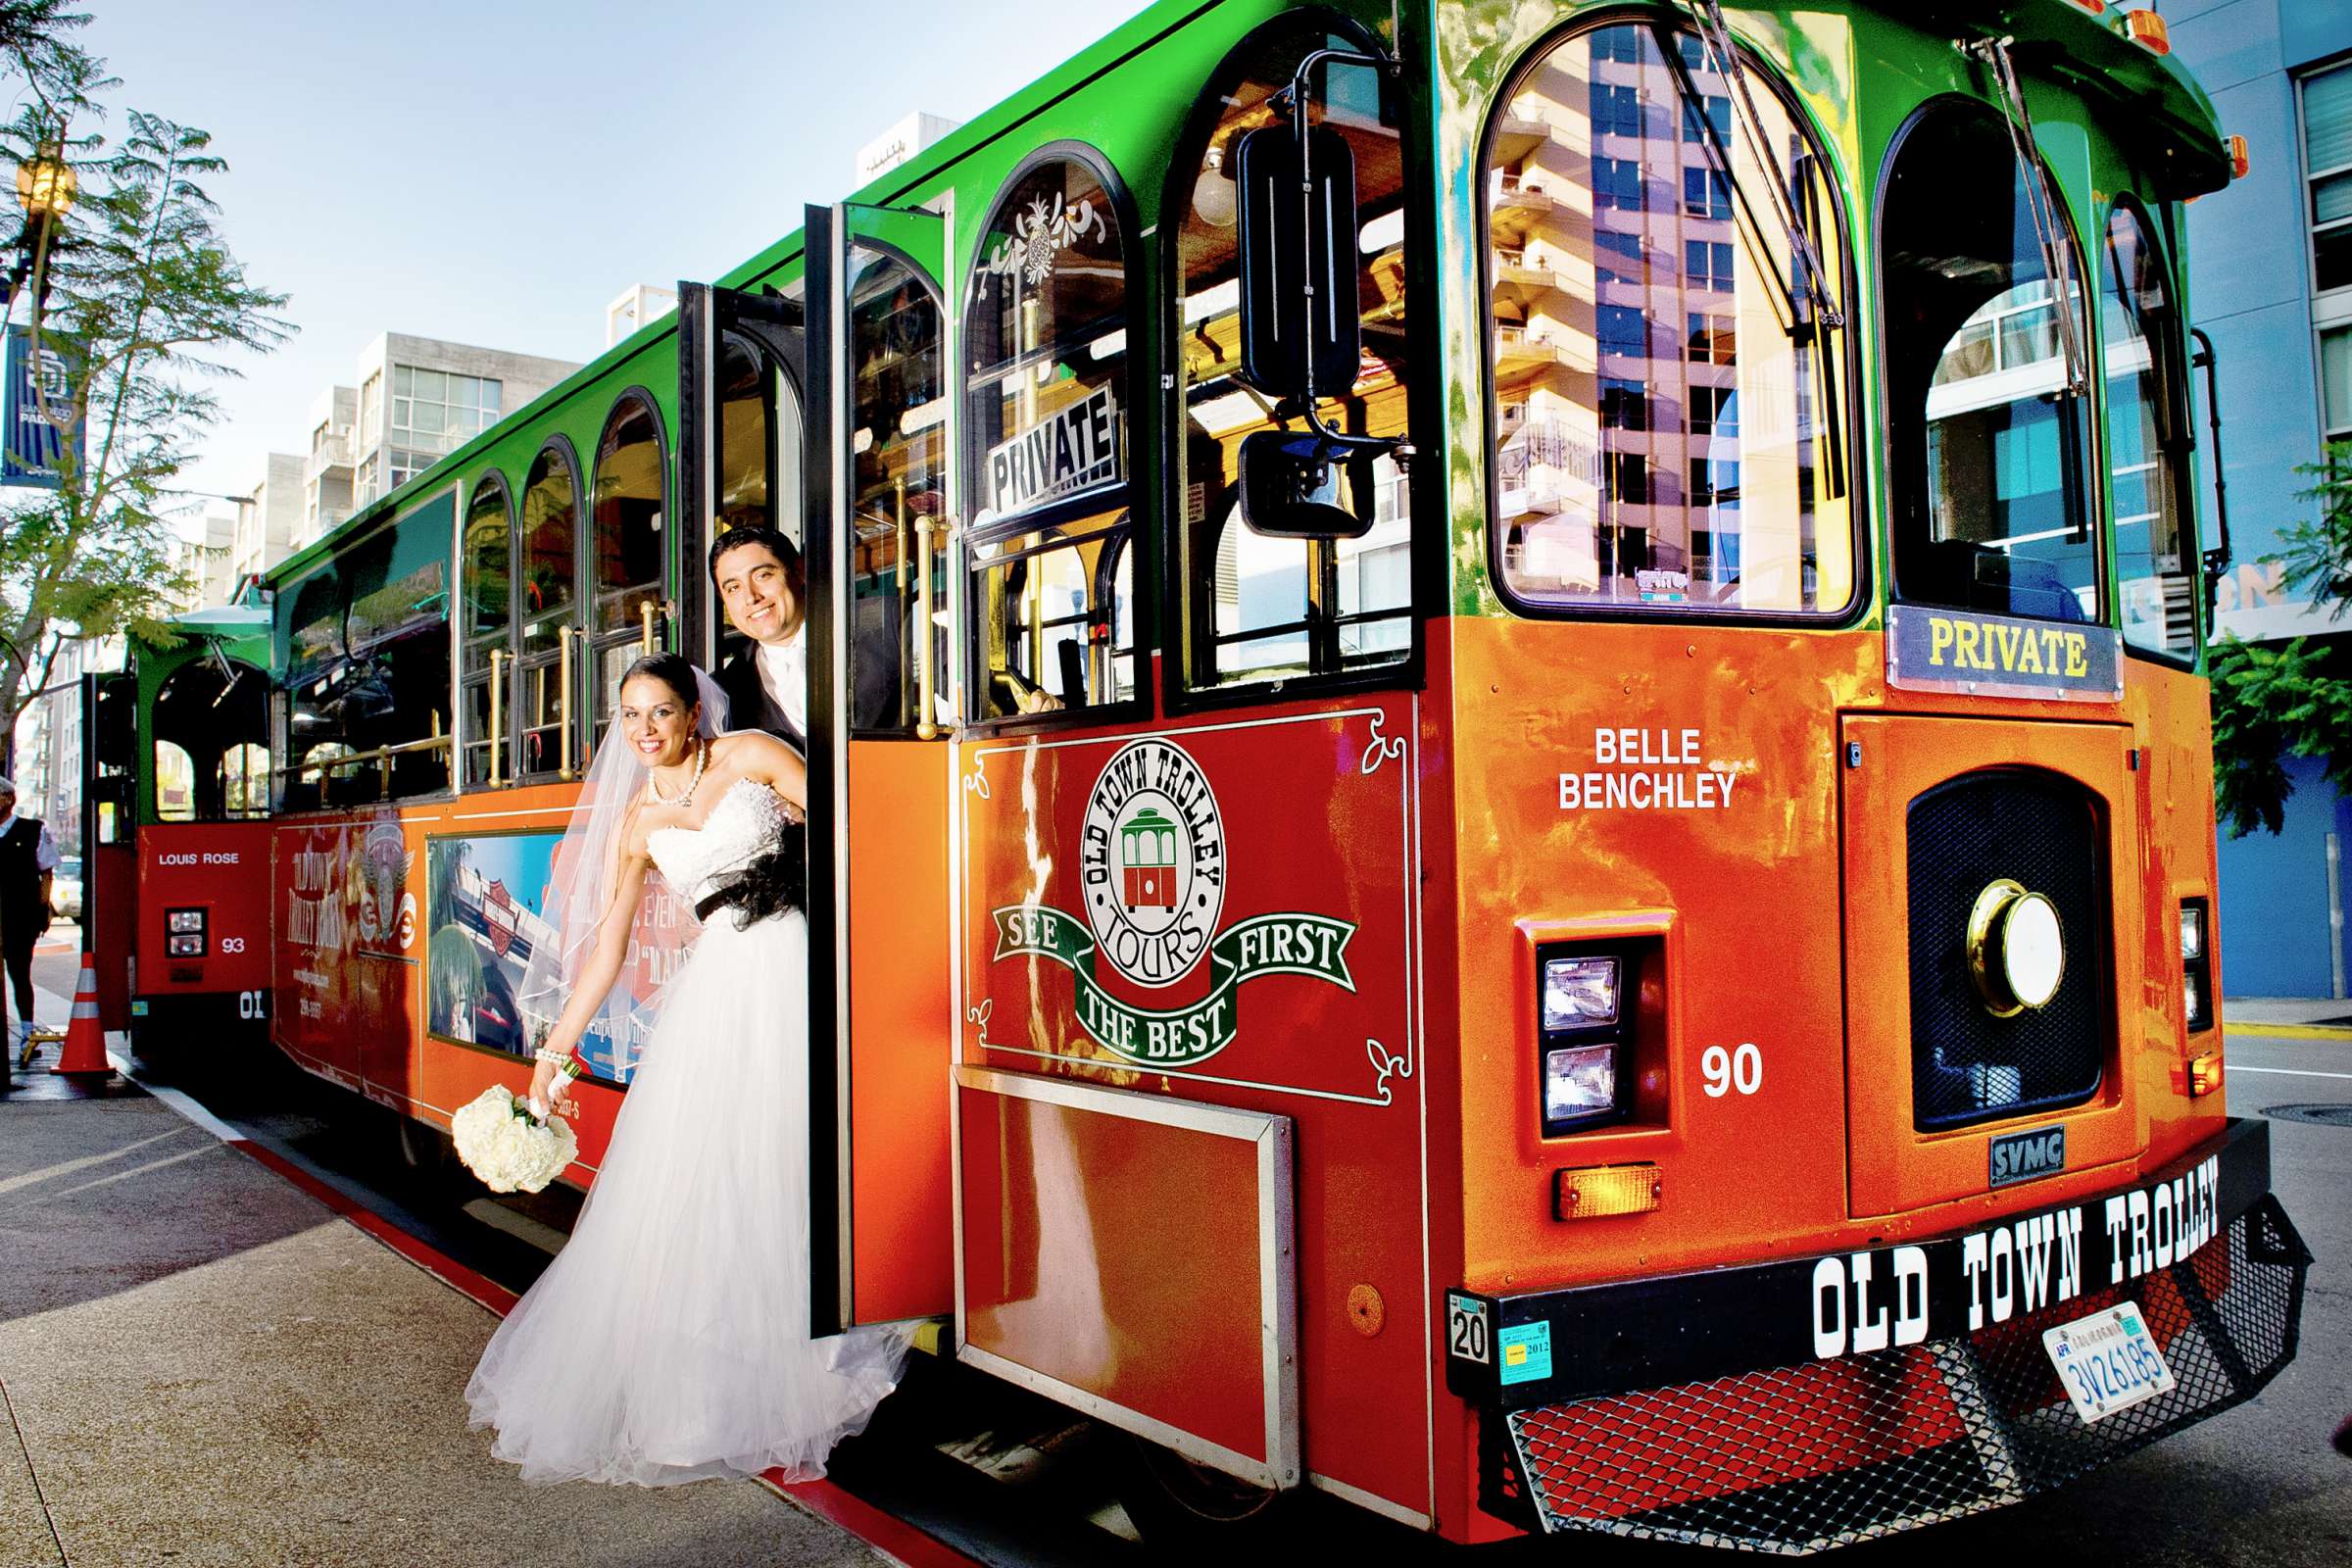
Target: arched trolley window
x,y
897,478
629,488
486,632
1988,382
546,613
759,439
211,726
1255,609
1665,287
1046,452
2147,438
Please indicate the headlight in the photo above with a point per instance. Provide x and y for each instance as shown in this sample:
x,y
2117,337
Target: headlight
x,y
1579,993
184,947
2196,965
1579,1080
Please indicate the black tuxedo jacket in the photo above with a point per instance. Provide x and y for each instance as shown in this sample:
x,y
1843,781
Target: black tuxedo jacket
x,y
749,707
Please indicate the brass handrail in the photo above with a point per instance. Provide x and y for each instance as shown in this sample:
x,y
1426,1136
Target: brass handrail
x,y
647,609
497,707
924,677
563,637
381,753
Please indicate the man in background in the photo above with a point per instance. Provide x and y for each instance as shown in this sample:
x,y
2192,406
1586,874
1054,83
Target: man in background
x,y
27,856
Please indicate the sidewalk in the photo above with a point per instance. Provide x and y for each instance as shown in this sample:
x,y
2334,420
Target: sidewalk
x,y
203,1366
2289,1010
2287,1019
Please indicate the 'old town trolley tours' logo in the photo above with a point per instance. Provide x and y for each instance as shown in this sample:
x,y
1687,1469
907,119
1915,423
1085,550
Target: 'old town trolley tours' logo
x,y
1151,873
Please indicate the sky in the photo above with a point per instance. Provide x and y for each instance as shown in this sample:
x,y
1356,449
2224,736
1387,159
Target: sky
x,y
496,172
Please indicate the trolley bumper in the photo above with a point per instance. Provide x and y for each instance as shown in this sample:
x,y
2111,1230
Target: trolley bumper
x,y
1804,1403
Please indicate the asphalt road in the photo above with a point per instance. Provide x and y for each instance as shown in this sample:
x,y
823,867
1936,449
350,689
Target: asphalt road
x,y
2260,1484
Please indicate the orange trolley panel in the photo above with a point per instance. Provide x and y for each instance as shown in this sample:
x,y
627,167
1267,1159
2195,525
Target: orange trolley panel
x,y
902,1032
1894,1167
1175,1320
1304,814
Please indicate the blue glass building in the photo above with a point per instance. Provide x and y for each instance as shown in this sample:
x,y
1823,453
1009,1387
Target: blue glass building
x,y
2271,282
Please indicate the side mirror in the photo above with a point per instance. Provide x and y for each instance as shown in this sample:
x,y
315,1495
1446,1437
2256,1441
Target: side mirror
x,y
1301,486
1298,262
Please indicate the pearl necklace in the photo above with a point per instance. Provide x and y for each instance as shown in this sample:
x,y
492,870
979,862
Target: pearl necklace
x,y
702,758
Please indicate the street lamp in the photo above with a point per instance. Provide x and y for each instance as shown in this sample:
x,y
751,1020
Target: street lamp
x,y
46,187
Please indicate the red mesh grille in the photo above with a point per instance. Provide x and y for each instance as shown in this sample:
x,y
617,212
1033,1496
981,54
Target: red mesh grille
x,y
1801,1457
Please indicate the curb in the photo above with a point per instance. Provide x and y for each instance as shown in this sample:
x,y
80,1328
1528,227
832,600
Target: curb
x,y
2288,1031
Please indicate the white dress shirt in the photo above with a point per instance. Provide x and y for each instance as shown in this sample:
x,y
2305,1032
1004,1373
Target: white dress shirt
x,y
44,853
784,673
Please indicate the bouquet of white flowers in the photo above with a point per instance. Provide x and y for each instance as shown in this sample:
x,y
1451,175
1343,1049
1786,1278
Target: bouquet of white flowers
x,y
507,1146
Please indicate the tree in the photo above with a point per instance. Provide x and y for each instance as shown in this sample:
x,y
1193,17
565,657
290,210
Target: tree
x,y
131,299
2272,702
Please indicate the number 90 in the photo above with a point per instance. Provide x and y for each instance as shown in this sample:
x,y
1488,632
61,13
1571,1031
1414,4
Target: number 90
x,y
1725,1071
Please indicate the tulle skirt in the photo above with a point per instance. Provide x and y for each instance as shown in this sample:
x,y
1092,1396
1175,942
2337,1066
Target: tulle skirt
x,y
669,1341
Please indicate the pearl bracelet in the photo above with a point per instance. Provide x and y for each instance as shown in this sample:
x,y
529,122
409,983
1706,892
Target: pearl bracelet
x,y
560,1059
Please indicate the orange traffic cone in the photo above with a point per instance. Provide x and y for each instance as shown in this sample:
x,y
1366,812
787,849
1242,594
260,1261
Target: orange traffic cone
x,y
85,1038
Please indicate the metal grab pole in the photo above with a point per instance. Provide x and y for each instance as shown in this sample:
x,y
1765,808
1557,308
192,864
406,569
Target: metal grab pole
x,y
925,677
497,740
644,616
563,636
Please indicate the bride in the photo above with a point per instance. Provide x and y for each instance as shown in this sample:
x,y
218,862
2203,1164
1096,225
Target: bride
x,y
669,1341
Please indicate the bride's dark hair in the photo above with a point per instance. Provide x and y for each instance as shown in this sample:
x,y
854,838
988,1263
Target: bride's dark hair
x,y
673,670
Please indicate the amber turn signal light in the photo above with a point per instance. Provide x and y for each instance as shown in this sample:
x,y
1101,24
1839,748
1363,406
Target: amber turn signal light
x,y
2204,1074
1600,1191
2242,158
2149,31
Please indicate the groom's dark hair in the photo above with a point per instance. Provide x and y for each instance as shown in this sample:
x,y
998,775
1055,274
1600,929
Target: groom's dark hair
x,y
787,554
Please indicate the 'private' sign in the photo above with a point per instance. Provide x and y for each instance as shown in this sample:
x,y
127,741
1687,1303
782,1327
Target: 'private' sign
x,y
2001,656
1070,450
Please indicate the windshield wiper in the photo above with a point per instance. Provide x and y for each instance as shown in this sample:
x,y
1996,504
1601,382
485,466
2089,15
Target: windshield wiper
x,y
1715,36
2040,203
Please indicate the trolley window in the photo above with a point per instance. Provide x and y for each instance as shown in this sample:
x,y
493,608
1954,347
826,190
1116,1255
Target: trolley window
x,y
1258,609
1665,282
210,726
1986,385
487,579
2148,439
368,709
897,445
759,438
626,532
544,583
1047,396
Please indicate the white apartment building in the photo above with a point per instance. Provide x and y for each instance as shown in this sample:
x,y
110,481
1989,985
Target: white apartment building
x,y
416,400
419,399
210,561
269,521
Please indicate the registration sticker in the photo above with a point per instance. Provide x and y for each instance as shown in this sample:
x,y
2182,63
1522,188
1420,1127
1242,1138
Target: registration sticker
x,y
1526,1352
2108,1362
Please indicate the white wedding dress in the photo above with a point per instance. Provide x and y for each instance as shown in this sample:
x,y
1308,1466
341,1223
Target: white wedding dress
x,y
669,1341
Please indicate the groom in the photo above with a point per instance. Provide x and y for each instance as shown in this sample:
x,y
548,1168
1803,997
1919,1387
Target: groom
x,y
756,573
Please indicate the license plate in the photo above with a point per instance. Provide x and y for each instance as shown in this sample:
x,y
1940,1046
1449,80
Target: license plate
x,y
2108,1362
